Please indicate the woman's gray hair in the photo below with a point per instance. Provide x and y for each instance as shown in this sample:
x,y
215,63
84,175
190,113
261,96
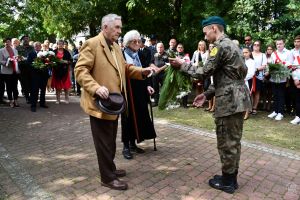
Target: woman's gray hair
x,y
108,19
129,36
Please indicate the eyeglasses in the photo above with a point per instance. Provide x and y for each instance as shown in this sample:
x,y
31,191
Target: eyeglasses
x,y
136,41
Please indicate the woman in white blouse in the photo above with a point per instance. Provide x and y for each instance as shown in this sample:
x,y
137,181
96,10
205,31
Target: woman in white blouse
x,y
260,65
250,63
200,55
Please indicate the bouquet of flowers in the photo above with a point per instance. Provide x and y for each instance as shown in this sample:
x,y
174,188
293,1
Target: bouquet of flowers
x,y
45,60
279,72
176,85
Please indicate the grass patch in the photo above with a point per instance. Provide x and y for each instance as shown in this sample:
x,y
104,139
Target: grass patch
x,y
257,129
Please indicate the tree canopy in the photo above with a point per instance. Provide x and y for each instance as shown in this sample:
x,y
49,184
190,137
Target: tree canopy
x,y
42,19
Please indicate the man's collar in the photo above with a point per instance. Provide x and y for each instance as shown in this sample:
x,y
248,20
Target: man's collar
x,y
108,42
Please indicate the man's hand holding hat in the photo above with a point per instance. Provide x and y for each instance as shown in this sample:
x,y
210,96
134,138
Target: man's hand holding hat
x,y
102,92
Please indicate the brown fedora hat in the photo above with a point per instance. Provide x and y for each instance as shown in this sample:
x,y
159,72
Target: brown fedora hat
x,y
113,105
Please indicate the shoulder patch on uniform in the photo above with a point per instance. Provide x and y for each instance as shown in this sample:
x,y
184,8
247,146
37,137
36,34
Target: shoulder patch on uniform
x,y
214,51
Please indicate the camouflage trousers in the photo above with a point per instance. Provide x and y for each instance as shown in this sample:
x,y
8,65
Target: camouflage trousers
x,y
229,134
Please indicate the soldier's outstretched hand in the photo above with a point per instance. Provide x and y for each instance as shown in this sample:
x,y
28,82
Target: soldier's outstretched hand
x,y
199,100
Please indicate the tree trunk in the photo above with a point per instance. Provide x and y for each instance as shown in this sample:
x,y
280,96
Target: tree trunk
x,y
93,30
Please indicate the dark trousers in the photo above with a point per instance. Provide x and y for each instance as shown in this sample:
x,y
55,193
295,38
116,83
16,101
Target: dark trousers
x,y
278,90
104,134
25,79
297,92
11,82
127,134
157,83
2,87
38,82
290,102
229,134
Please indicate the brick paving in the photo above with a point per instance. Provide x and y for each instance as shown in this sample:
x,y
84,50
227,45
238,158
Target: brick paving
x,y
50,155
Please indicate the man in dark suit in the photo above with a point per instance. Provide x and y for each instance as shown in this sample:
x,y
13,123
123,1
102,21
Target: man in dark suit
x,y
39,78
144,54
23,50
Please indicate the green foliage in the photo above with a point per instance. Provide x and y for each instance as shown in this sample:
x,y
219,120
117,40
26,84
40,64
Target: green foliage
x,y
41,19
257,129
175,82
265,20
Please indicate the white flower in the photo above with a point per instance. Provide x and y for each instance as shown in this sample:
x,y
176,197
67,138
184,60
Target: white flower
x,y
40,54
51,53
182,94
172,106
44,53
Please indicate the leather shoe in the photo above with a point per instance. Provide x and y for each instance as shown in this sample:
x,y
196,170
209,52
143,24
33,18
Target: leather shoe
x,y
127,154
44,106
120,173
116,185
137,149
33,109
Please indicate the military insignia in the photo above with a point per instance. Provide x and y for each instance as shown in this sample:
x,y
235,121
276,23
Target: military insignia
x,y
214,51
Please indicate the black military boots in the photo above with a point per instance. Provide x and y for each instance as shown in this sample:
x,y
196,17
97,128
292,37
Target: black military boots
x,y
226,182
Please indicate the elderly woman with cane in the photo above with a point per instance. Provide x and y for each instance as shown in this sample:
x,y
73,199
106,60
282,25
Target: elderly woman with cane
x,y
136,123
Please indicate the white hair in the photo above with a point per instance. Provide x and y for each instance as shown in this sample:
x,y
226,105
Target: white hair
x,y
129,36
108,19
36,43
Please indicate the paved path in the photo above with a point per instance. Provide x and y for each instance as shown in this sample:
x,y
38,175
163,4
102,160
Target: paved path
x,y
50,155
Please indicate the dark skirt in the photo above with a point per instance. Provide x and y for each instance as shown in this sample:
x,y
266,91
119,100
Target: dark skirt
x,y
136,122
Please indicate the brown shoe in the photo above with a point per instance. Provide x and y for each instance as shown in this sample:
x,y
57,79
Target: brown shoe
x,y
116,185
120,173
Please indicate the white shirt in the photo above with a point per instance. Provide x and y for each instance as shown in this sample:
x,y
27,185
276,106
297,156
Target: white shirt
x,y
260,60
250,63
195,58
295,53
285,57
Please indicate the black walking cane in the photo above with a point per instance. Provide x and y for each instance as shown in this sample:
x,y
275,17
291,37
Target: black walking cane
x,y
151,112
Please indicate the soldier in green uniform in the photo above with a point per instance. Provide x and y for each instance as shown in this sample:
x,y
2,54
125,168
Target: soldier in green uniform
x,y
23,50
228,69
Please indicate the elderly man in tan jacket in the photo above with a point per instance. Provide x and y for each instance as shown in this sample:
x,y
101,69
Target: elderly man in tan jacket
x,y
100,70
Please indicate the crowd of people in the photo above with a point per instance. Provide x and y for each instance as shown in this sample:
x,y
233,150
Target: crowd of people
x,y
111,73
279,97
18,59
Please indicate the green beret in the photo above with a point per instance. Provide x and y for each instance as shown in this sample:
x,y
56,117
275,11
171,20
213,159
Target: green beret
x,y
214,20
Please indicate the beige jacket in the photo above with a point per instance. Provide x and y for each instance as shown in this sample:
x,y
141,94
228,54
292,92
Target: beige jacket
x,y
96,67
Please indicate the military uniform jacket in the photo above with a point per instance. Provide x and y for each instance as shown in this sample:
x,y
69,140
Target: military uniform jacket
x,y
227,66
